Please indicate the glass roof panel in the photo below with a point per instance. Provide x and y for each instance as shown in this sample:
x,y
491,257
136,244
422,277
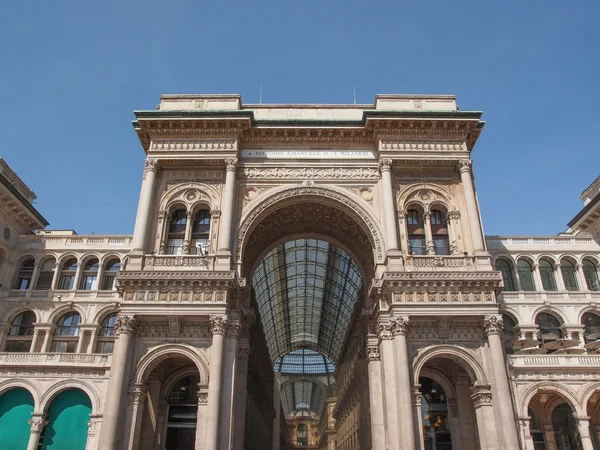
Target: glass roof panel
x,y
306,291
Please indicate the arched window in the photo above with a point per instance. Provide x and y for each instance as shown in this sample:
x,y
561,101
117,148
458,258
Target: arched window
x,y
506,270
176,232
89,280
549,327
591,322
183,413
302,435
569,275
547,274
66,334
439,232
20,334
509,334
416,232
110,274
565,429
591,275
106,338
25,274
67,274
200,232
46,274
536,430
525,275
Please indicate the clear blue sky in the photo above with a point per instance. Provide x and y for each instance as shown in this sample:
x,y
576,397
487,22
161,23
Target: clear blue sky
x,y
73,72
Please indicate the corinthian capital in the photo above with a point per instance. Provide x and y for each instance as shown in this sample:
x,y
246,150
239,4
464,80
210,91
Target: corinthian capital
x,y
219,324
384,330
464,165
150,165
37,425
385,164
399,325
125,325
231,164
493,324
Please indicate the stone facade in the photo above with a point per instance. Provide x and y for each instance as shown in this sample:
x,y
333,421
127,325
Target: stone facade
x,y
452,339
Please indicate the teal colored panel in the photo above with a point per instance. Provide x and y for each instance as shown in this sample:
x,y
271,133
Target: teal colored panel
x,y
68,419
16,407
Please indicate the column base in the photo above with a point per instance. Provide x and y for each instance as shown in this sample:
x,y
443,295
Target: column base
x,y
223,260
394,260
136,259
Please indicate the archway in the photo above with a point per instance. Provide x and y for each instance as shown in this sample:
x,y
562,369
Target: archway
x,y
16,406
593,411
308,258
68,417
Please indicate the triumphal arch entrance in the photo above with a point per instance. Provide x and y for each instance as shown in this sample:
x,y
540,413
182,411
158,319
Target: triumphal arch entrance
x,y
308,276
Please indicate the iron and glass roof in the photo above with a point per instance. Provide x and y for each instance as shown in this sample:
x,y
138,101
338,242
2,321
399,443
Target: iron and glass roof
x,y
306,291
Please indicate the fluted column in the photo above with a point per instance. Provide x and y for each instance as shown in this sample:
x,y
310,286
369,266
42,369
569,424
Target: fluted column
x,y
405,407
464,167
583,424
145,206
482,403
227,206
117,382
37,425
493,327
389,210
219,326
376,395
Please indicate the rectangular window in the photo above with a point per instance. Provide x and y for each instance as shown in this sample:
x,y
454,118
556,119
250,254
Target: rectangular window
x,y
175,246
442,246
105,347
64,346
66,282
45,280
18,346
88,283
417,246
526,279
23,284
109,283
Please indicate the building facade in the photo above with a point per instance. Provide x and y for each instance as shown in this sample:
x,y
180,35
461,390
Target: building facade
x,y
299,276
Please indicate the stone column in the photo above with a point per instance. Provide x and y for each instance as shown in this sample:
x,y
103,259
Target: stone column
x,y
560,283
389,209
77,279
515,274
219,326
187,237
37,425
430,248
145,207
453,224
138,398
375,395
482,403
549,437
239,406
55,276
493,327
464,167
48,338
581,278
456,433
201,422
100,275
227,206
80,340
420,444
405,406
583,424
93,338
390,383
525,433
163,226
34,276
537,278
229,376
34,340
110,432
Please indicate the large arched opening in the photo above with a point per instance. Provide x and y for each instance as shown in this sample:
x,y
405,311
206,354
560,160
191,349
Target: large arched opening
x,y
16,407
309,259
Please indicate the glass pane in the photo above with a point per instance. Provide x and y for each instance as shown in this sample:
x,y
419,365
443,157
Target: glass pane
x,y
526,276
591,276
442,246
591,322
109,283
175,246
505,269
178,222
549,327
547,274
18,346
414,217
417,246
22,325
66,282
45,280
89,282
569,277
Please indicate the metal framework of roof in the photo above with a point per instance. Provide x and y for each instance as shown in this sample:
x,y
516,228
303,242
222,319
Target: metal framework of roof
x,y
306,291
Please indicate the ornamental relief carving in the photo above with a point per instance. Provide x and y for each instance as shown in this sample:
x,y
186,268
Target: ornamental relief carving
x,y
190,194
311,173
173,176
150,296
425,194
170,145
423,146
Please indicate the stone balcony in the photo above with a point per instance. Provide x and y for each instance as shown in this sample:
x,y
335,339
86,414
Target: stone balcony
x,y
62,242
553,362
439,263
550,243
521,296
39,360
58,295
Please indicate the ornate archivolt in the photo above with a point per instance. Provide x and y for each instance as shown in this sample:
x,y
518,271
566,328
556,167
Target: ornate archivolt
x,y
89,388
333,197
156,355
559,388
463,356
426,195
189,195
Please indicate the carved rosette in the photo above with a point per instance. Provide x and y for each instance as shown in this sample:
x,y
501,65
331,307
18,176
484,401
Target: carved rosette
x,y
219,324
464,165
493,324
231,164
125,325
385,165
384,331
399,325
373,352
37,425
202,397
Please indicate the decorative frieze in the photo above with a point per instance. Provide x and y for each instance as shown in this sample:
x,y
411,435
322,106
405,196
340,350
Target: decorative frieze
x,y
423,146
175,296
193,175
202,145
313,173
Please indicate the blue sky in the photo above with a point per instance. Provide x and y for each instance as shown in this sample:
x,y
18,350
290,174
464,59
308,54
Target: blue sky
x,y
73,72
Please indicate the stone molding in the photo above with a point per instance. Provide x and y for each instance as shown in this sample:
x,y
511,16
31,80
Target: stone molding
x,y
125,325
219,324
193,145
303,173
424,146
